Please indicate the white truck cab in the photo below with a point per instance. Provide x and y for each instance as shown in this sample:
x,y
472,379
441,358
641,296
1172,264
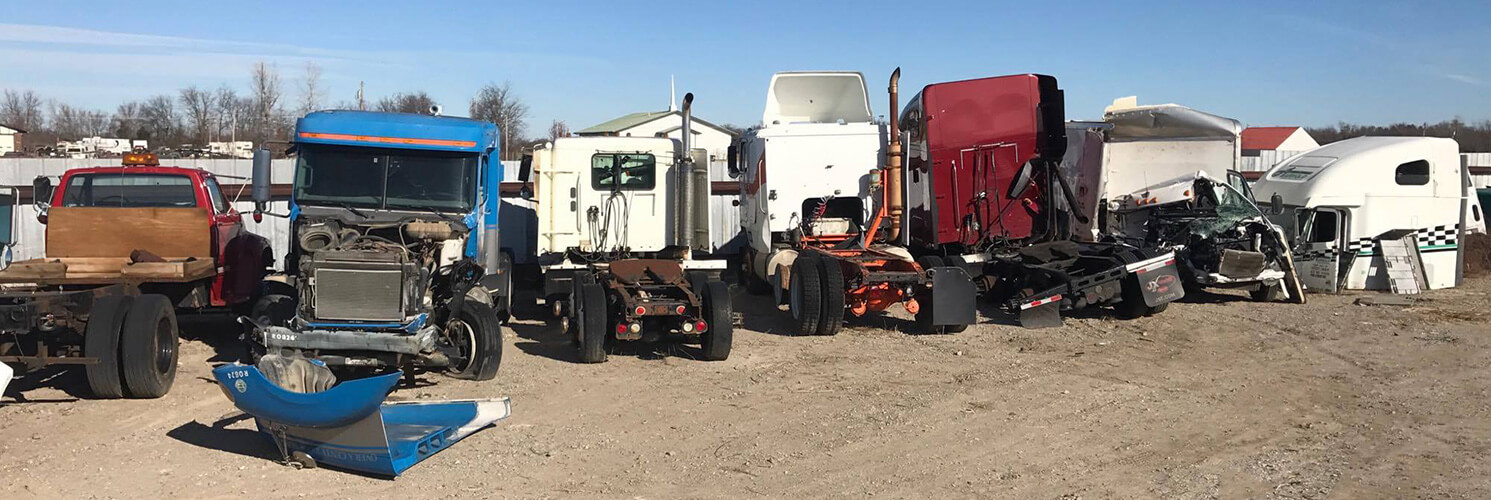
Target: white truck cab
x,y
813,158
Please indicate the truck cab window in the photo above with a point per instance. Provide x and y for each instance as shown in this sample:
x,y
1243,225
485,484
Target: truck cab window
x,y
215,193
132,190
623,171
1323,228
1414,173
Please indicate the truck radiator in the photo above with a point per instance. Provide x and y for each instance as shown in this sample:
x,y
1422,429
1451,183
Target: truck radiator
x,y
365,287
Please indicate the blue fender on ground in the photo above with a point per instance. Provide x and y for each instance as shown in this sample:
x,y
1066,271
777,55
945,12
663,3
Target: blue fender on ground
x,y
349,426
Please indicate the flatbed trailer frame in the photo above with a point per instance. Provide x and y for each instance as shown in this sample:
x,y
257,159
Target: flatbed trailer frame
x,y
120,325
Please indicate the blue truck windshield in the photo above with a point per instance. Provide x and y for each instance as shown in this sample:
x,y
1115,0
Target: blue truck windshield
x,y
385,178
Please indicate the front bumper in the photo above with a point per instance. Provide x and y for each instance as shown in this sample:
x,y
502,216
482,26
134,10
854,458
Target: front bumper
x,y
421,341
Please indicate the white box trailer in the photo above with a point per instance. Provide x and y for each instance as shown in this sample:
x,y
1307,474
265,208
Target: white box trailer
x,y
1339,201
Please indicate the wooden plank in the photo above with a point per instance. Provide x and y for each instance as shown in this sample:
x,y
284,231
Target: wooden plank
x,y
188,270
116,231
35,269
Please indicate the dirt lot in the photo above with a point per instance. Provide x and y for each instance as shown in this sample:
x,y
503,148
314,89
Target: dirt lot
x,y
1217,397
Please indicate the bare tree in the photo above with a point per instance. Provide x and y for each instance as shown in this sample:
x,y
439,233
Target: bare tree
x,y
406,102
498,104
199,105
22,109
266,94
232,114
127,120
558,129
310,88
158,121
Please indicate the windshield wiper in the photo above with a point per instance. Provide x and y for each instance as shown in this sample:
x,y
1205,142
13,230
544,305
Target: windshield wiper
x,y
348,207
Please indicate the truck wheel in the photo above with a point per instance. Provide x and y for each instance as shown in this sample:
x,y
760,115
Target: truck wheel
x,y
591,319
924,315
476,335
833,296
101,340
149,345
805,294
717,312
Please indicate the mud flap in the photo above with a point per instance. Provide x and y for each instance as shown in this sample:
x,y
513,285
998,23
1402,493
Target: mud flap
x,y
1044,312
954,297
1160,284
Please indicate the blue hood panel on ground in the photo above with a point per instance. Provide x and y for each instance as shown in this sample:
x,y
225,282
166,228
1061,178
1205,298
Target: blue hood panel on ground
x,y
336,427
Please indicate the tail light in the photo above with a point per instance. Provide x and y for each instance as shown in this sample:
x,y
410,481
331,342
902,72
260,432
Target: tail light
x,y
620,328
687,327
678,310
640,310
700,326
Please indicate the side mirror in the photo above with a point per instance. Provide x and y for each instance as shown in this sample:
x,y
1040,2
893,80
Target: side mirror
x,y
1276,204
8,199
41,191
261,181
733,167
525,173
1022,181
525,168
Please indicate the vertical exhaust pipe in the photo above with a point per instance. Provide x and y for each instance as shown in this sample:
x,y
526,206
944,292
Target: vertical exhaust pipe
x,y
685,222
895,201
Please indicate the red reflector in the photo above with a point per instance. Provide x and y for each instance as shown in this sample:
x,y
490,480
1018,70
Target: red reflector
x,y
700,326
678,310
640,310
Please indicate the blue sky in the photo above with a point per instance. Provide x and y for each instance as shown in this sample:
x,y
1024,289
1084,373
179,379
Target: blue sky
x,y
1265,63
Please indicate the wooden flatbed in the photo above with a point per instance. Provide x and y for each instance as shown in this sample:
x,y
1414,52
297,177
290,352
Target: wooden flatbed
x,y
106,270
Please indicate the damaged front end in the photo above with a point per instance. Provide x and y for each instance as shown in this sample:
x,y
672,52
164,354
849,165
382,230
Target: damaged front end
x,y
1219,235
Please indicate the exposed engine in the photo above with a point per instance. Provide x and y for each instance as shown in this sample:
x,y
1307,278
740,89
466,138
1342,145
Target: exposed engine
x,y
378,272
1219,237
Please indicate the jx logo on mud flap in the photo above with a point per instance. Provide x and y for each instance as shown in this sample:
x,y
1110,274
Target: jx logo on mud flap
x,y
1161,283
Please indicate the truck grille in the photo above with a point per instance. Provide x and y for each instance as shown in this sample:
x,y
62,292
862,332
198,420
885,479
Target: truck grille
x,y
359,295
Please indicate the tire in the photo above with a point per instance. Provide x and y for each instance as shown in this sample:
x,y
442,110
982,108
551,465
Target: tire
x,y
1266,292
718,312
591,320
150,347
101,340
477,333
805,294
832,317
924,314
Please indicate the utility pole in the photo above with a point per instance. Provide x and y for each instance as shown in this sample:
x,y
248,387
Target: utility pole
x,y
362,105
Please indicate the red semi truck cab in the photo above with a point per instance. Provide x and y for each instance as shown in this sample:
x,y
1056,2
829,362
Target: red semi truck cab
x,y
240,257
966,142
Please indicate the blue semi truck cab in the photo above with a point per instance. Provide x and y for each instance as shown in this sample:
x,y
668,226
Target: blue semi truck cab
x,y
393,257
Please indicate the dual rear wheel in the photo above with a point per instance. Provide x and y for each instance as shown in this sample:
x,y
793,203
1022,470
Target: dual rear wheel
x,y
136,341
592,318
815,294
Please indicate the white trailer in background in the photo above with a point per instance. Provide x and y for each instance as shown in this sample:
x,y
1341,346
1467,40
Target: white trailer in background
x,y
1342,200
232,149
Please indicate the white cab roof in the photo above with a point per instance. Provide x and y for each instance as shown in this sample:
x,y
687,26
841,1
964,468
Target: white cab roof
x,y
817,97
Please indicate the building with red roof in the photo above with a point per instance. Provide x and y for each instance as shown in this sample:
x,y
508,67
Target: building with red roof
x,y
1255,139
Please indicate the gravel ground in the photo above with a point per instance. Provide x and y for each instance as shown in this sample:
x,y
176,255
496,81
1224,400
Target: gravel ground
x,y
1218,397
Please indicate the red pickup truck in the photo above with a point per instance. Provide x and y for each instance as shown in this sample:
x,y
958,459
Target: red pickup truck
x,y
126,247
